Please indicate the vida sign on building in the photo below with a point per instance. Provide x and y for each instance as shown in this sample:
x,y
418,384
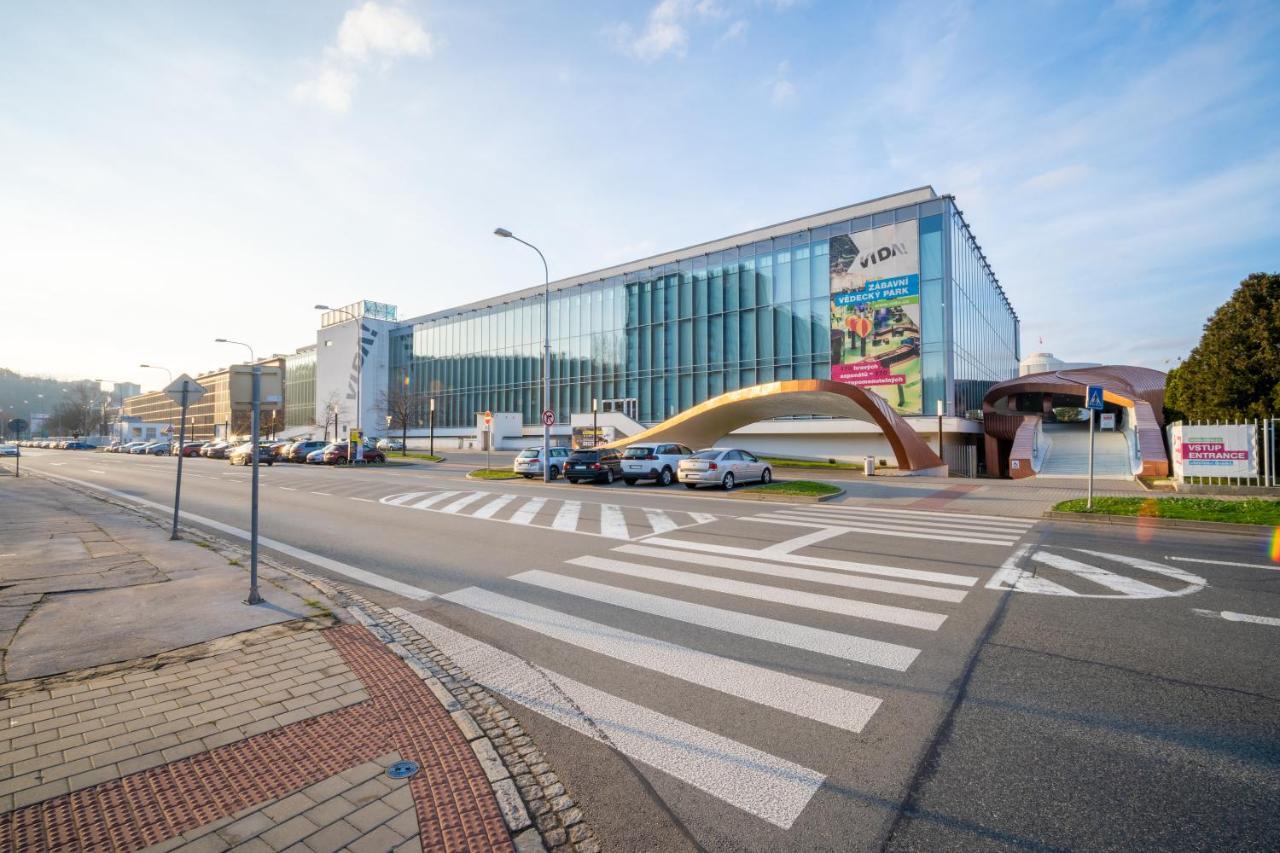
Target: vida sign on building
x,y
1228,450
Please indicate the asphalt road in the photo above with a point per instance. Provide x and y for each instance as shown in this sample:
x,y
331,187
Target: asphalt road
x,y
720,674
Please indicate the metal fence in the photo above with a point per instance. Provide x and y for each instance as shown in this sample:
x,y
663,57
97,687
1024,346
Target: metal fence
x,y
1224,452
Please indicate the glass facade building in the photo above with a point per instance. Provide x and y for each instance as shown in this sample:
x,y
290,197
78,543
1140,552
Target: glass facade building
x,y
300,388
657,336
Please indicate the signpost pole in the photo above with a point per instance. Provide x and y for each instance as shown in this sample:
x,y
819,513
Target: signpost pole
x,y
254,597
1089,501
431,421
182,443
1093,402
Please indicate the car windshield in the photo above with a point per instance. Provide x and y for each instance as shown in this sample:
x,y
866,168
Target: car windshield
x,y
529,453
637,452
707,454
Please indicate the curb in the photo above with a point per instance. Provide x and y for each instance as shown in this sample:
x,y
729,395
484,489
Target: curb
x,y
539,814
1154,521
779,498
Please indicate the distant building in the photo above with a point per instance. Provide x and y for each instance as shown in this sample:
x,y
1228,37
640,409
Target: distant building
x,y
1044,362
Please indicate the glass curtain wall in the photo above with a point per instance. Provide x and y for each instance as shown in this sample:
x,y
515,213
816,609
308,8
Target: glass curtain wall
x,y
300,388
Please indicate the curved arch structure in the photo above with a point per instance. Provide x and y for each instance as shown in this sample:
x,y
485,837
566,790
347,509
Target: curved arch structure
x,y
705,424
1138,389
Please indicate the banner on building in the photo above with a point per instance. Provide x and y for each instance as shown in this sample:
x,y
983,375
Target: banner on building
x,y
875,313
1228,450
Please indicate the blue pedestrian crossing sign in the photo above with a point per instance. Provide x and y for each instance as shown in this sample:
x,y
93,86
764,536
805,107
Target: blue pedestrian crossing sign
x,y
1093,398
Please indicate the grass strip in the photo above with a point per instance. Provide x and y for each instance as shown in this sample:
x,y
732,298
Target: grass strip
x,y
780,462
1248,511
494,474
807,488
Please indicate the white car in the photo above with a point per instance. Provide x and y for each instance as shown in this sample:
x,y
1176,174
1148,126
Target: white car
x,y
723,466
529,462
653,462
8,450
390,444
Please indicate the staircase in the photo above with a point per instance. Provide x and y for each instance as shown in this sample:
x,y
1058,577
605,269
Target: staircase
x,y
1069,453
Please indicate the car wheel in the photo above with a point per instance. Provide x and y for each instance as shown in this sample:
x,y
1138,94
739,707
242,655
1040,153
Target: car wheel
x,y
691,485
664,478
555,473
341,460
608,477
630,481
766,477
727,482
528,476
573,481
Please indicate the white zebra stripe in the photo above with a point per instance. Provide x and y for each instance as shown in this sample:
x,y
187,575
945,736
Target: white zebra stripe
x,y
567,517
612,522
878,529
843,709
659,520
923,513
525,514
464,501
489,509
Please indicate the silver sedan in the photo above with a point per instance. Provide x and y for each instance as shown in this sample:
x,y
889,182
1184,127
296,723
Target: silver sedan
x,y
723,466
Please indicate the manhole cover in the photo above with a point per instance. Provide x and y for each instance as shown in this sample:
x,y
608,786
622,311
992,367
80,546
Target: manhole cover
x,y
402,769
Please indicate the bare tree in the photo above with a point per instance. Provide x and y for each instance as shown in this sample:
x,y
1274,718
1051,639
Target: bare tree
x,y
401,408
332,405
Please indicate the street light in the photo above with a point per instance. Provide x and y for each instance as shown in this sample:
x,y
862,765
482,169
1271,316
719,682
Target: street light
x,y
359,369
254,597
546,352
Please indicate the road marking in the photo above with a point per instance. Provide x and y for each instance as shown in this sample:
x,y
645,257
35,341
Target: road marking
x,y
464,501
819,640
1003,519
820,562
842,709
357,574
1223,563
365,500
878,530
323,494
702,517
567,517
493,506
661,522
740,564
778,595
399,500
286,489
1126,586
930,519
436,498
1238,617
771,788
1159,568
612,522
1010,576
525,514
798,542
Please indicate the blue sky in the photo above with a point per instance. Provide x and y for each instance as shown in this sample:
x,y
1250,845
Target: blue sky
x,y
176,172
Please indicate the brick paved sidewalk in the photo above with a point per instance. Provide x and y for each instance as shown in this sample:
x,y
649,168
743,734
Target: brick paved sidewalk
x,y
277,739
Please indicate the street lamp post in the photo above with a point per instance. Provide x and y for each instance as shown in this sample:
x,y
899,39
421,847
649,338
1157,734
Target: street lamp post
x,y
546,352
254,597
359,369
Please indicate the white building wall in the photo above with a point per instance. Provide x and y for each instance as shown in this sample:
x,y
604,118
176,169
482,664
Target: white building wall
x,y
336,375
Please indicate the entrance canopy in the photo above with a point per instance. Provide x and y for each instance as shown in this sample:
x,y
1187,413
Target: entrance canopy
x,y
705,424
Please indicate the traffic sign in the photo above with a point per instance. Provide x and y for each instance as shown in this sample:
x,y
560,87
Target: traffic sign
x,y
488,418
549,418
1093,397
194,390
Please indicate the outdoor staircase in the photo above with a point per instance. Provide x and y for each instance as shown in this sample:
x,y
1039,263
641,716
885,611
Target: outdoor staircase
x,y
1069,453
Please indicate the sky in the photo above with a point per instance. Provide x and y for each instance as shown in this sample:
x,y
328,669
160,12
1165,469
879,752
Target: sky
x,y
171,173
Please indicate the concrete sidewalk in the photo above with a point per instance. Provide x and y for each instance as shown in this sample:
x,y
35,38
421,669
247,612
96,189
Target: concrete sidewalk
x,y
143,705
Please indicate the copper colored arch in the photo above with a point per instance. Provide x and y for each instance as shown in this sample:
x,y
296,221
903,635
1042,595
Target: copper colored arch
x,y
706,423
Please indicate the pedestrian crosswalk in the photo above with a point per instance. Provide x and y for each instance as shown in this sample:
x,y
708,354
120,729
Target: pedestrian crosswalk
x,y
701,617
903,523
1084,573
612,521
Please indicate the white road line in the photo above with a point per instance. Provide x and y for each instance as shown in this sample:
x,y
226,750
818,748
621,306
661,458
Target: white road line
x,y
365,500
96,471
1120,583
880,530
323,494
935,593
843,709
819,640
464,501
493,506
1195,581
1000,519
356,574
434,499
525,514
771,788
1238,617
778,595
399,500
660,521
946,522
286,489
612,522
1224,563
821,562
702,517
567,517
798,542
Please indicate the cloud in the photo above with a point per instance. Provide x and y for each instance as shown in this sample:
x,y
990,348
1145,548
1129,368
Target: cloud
x,y
666,29
1053,179
781,89
735,32
367,33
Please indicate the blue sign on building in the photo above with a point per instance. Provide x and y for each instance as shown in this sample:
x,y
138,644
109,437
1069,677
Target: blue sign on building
x,y
1093,398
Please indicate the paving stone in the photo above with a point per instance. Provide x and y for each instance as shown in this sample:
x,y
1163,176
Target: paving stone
x,y
489,760
332,837
513,810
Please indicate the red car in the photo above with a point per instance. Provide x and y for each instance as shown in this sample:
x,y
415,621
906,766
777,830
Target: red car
x,y
192,448
338,456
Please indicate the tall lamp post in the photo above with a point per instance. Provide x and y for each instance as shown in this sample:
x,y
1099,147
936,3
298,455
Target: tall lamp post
x,y
359,368
254,597
546,352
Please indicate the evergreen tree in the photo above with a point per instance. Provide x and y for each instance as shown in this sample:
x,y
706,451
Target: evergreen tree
x,y
1234,372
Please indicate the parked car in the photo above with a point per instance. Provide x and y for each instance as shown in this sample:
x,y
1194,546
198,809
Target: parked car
x,y
593,466
157,448
132,446
243,455
316,457
724,466
299,450
653,462
77,445
385,444
336,454
9,450
529,462
217,450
